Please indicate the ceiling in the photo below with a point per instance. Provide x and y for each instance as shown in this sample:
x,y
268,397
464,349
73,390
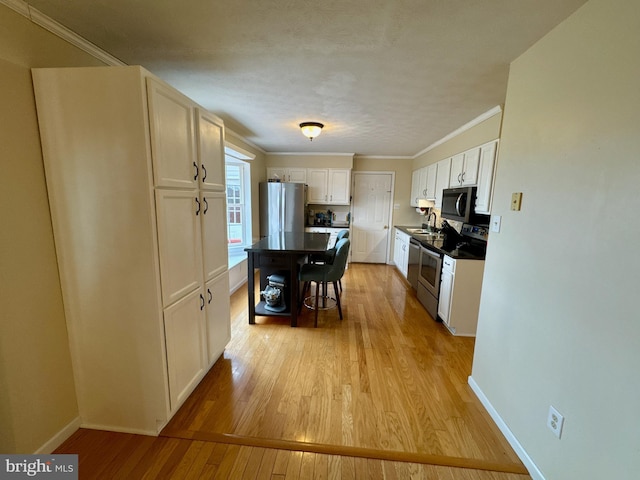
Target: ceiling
x,y
386,77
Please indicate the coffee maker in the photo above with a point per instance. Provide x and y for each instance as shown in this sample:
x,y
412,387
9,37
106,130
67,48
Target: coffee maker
x,y
273,294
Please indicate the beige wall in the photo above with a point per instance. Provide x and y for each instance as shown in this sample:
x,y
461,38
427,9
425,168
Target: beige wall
x,y
37,394
559,321
339,160
478,134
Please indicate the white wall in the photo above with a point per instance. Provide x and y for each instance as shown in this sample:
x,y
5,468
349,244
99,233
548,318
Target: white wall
x,y
559,322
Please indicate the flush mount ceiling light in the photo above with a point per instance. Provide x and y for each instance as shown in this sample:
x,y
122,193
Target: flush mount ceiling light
x,y
311,129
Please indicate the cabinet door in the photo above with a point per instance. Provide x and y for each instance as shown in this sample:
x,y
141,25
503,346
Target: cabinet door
x,y
214,234
457,167
442,179
317,181
179,242
485,178
339,186
173,146
432,174
424,174
184,336
218,314
415,188
211,151
444,301
297,175
470,171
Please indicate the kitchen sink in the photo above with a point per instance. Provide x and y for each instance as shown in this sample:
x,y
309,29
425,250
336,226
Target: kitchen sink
x,y
419,230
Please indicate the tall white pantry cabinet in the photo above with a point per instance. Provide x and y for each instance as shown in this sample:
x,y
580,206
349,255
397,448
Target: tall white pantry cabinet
x,y
135,176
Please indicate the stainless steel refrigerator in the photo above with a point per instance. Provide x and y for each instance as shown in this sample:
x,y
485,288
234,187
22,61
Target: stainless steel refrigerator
x,y
282,207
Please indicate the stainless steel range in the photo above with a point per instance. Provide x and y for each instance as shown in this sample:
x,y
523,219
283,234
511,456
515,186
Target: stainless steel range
x,y
470,243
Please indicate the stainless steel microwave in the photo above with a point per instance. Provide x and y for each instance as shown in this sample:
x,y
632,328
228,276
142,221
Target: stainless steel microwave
x,y
459,204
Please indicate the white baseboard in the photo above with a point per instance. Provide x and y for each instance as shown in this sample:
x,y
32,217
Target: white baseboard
x,y
57,440
535,473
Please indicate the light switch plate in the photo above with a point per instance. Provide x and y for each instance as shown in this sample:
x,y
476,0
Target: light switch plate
x,y
495,223
516,201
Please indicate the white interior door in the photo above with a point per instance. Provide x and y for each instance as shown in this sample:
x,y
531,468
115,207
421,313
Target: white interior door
x,y
370,217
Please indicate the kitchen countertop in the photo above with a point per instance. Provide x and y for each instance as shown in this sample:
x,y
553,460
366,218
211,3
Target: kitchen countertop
x,y
443,245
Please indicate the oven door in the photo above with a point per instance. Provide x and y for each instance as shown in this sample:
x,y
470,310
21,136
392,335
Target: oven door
x,y
429,271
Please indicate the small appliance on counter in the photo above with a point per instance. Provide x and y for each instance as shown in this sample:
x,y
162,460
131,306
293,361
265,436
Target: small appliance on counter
x,y
340,219
273,294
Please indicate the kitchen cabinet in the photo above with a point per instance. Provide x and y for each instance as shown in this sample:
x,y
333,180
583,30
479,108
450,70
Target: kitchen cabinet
x,y
401,251
464,168
294,175
459,300
423,184
136,192
484,193
443,167
329,186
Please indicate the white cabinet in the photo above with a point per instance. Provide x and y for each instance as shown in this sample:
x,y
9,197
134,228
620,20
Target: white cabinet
x,y
329,186
443,167
430,182
294,175
179,242
464,168
173,142
218,311
136,192
416,190
401,251
210,131
459,301
184,325
485,177
423,184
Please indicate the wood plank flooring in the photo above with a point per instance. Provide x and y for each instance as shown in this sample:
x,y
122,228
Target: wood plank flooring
x,y
381,394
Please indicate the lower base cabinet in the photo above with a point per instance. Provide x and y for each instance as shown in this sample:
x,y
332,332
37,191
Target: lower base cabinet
x,y
459,301
218,311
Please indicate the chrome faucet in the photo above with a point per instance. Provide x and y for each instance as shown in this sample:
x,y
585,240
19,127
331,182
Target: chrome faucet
x,y
435,219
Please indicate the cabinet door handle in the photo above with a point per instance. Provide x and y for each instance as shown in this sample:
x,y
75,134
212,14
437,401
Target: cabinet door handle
x,y
195,177
206,205
459,175
204,172
201,302
463,174
198,209
210,295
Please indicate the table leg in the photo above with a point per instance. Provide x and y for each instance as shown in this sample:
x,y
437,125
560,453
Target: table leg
x,y
251,289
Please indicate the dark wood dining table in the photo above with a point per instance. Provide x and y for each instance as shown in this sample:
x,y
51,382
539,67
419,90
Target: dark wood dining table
x,y
281,254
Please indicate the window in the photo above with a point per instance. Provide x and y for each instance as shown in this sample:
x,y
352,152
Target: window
x,y
238,184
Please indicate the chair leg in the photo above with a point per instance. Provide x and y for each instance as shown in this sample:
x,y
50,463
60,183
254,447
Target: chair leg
x,y
335,288
316,305
340,284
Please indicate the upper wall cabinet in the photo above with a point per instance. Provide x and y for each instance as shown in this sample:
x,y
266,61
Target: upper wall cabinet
x,y
423,184
329,186
464,168
173,146
442,179
210,150
485,177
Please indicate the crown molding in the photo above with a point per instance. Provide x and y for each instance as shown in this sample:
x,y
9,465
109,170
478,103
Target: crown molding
x,y
467,126
384,157
312,154
42,20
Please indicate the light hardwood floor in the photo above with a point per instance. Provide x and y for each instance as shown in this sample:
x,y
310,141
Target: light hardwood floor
x,y
381,394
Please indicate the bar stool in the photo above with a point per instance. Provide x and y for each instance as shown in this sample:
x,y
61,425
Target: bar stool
x,y
324,273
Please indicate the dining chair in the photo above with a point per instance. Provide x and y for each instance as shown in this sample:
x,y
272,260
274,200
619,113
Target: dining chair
x,y
328,256
324,273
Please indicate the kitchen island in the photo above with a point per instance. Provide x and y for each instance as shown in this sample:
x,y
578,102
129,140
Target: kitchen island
x,y
281,254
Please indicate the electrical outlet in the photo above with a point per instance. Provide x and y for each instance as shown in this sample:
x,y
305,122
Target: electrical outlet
x,y
555,421
495,223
